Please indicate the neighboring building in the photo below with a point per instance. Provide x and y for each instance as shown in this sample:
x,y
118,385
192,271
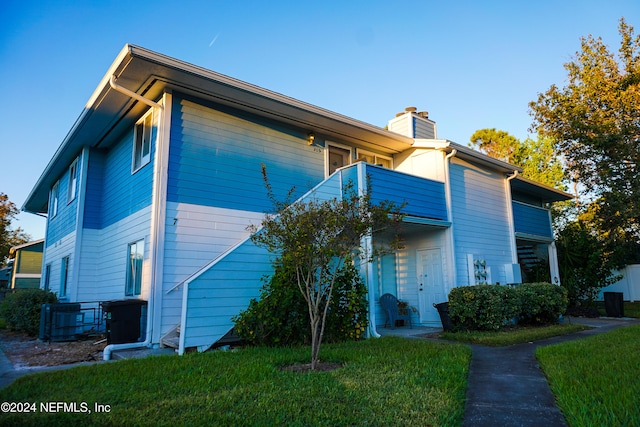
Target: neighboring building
x,y
5,276
27,265
150,194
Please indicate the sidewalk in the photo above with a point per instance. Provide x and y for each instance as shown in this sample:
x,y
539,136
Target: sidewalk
x,y
508,388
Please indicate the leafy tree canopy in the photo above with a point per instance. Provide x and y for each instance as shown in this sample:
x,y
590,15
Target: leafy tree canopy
x,y
495,143
595,119
538,158
9,237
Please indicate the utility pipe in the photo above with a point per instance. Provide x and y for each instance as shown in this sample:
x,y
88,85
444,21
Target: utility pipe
x,y
512,226
112,83
106,354
447,194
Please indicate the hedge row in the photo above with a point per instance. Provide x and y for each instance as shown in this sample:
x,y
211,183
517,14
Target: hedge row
x,y
21,310
490,307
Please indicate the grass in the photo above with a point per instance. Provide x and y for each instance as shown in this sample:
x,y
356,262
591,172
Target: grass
x,y
595,380
387,381
515,335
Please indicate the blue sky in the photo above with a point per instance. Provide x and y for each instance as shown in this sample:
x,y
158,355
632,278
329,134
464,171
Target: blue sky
x,y
471,64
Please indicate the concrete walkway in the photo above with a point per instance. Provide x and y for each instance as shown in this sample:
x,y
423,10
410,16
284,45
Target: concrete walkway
x,y
508,388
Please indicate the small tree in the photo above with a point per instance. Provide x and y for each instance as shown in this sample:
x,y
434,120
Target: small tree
x,y
280,316
585,264
316,237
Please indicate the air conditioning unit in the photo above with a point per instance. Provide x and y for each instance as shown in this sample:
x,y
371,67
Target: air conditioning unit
x,y
61,322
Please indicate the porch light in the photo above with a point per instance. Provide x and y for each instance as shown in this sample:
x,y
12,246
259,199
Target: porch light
x,y
310,138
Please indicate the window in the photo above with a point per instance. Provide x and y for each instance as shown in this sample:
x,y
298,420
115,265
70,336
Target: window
x,y
65,277
375,159
134,268
47,276
338,157
73,181
53,202
142,142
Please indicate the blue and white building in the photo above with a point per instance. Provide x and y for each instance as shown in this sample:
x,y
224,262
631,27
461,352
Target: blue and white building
x,y
150,194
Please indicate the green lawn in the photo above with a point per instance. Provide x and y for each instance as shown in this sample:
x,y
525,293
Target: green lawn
x,y
595,380
387,381
515,335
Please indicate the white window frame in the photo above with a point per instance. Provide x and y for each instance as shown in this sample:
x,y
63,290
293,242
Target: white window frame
x,y
64,276
361,153
326,155
72,190
142,137
54,200
47,277
133,282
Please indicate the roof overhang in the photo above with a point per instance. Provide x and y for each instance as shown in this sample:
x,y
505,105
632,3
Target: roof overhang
x,y
467,154
108,112
25,245
545,193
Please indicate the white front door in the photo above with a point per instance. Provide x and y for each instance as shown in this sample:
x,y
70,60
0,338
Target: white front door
x,y
431,287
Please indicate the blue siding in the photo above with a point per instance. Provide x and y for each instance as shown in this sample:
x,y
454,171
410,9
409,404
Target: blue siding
x,y
226,288
216,154
532,220
94,188
65,220
481,221
424,198
113,192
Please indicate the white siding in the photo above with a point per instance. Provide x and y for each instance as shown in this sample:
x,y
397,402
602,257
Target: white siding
x,y
401,125
481,224
103,258
426,163
195,235
53,255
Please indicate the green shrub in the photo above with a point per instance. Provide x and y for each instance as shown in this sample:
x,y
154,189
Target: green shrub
x,y
482,307
281,315
541,303
21,310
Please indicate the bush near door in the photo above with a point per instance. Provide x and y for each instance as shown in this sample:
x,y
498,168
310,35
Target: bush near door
x,y
541,303
491,307
482,307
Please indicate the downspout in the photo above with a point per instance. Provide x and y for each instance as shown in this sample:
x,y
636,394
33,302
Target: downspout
x,y
512,226
366,245
447,194
106,354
